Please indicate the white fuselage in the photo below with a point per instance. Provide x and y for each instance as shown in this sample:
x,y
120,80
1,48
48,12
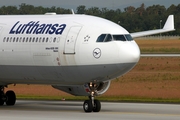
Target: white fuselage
x,y
62,50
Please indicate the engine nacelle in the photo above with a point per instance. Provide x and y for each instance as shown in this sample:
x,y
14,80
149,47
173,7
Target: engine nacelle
x,y
84,90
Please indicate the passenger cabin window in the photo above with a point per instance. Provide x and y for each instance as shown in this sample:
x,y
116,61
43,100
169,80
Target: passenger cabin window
x,y
43,39
36,39
33,39
14,39
4,39
7,39
23,39
30,39
17,39
109,37
10,39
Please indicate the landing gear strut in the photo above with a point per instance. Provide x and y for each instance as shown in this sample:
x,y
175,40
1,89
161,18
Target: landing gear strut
x,y
92,104
9,97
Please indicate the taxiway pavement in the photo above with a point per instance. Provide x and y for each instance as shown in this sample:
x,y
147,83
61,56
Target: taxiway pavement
x,y
72,110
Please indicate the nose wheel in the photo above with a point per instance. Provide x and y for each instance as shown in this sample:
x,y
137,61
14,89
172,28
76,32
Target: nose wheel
x,y
89,107
97,106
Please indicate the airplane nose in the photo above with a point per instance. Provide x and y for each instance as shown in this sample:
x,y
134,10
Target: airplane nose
x,y
135,52
129,52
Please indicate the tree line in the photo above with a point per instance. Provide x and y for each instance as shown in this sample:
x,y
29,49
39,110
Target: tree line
x,y
132,18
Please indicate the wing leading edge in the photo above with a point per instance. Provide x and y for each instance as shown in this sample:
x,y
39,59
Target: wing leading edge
x,y
169,26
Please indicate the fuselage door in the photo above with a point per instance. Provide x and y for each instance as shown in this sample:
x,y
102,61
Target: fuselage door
x,y
69,47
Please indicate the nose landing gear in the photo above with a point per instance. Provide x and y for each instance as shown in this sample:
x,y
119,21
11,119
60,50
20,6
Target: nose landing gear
x,y
92,105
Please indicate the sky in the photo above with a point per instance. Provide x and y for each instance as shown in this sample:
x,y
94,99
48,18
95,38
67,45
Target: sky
x,y
73,4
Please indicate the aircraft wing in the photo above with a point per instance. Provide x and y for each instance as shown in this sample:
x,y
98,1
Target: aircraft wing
x,y
169,26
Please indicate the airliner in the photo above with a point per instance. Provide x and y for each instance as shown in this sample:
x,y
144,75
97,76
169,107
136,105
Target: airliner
x,y
77,54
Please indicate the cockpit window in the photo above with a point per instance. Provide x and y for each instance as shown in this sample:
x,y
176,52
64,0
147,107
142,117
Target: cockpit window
x,y
104,38
128,37
109,37
101,38
119,37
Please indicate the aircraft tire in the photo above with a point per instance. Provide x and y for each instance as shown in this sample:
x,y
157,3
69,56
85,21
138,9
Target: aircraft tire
x,y
11,98
97,106
1,102
1,97
88,107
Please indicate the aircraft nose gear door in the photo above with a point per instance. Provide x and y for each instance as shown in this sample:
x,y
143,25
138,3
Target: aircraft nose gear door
x,y
71,38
